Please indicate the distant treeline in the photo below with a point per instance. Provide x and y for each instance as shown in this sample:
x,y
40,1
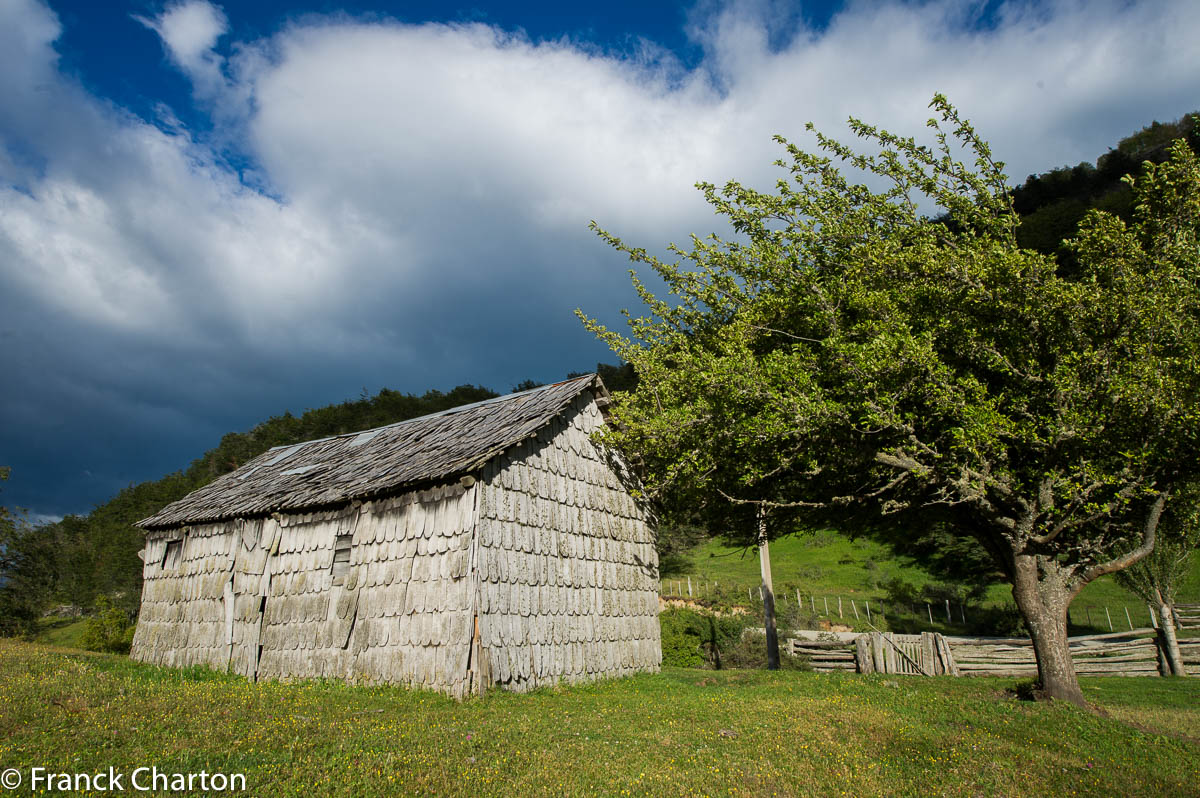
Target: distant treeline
x,y
76,560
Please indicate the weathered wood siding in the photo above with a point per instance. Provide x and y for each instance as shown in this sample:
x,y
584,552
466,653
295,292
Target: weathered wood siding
x,y
183,613
568,569
259,596
410,583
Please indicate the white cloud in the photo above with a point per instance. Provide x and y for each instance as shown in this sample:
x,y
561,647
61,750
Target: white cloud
x,y
189,31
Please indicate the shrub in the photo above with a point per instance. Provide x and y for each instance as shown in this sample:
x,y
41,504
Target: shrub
x,y
693,639
108,629
750,651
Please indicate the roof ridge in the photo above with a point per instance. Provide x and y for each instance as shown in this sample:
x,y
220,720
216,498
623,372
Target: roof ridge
x,y
446,412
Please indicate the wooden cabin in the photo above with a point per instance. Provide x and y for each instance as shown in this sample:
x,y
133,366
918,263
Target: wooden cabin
x,y
494,543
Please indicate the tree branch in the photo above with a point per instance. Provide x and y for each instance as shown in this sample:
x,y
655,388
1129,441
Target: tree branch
x,y
1149,534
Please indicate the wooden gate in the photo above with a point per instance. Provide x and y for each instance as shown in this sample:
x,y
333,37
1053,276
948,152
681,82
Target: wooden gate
x,y
925,654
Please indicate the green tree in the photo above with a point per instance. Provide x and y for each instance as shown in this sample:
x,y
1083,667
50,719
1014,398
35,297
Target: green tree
x,y
844,358
28,571
1156,578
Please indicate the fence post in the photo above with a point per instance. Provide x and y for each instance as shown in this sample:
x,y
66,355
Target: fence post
x,y
854,607
867,604
948,618
929,610
1127,618
1110,626
840,607
689,586
826,600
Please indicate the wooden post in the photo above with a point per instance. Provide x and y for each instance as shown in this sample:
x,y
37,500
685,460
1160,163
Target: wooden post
x,y
867,604
1110,626
689,587
962,612
826,600
764,564
799,601
1128,619
862,654
930,662
854,607
840,607
814,603
948,618
929,610
1153,619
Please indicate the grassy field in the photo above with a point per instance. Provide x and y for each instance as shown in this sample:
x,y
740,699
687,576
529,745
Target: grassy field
x,y
66,632
681,732
827,565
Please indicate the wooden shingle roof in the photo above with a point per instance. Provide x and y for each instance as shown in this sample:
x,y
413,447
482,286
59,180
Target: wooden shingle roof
x,y
375,462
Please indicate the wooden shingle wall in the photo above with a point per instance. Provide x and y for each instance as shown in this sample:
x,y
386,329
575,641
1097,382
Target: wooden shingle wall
x,y
568,569
182,619
259,596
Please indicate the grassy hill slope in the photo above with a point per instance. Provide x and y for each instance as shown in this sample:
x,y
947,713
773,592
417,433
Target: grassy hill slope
x,y
827,565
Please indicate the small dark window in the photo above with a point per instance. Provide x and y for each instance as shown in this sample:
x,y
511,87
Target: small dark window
x,y
341,558
172,554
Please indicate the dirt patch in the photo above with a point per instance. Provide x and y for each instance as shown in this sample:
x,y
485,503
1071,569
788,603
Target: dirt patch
x,y
829,626
699,605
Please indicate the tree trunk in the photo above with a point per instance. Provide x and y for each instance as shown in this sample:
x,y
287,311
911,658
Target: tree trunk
x,y
1043,603
1167,636
768,589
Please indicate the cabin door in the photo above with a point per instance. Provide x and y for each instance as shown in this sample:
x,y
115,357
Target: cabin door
x,y
247,593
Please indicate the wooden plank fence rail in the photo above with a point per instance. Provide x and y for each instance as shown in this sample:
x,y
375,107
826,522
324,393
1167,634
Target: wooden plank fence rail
x,y
1187,616
1115,654
1132,653
825,655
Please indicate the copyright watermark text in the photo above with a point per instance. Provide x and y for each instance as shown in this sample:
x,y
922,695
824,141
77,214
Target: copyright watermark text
x,y
144,779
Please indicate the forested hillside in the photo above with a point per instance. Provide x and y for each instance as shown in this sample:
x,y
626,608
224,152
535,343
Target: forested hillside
x,y
1052,204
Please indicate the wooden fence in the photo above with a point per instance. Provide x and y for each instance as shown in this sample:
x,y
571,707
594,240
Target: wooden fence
x,y
930,654
1187,616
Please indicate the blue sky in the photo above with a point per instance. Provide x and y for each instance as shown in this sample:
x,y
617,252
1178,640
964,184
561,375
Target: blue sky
x,y
211,214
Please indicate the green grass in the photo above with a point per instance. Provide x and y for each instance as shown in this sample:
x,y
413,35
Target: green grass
x,y
683,732
66,632
827,565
